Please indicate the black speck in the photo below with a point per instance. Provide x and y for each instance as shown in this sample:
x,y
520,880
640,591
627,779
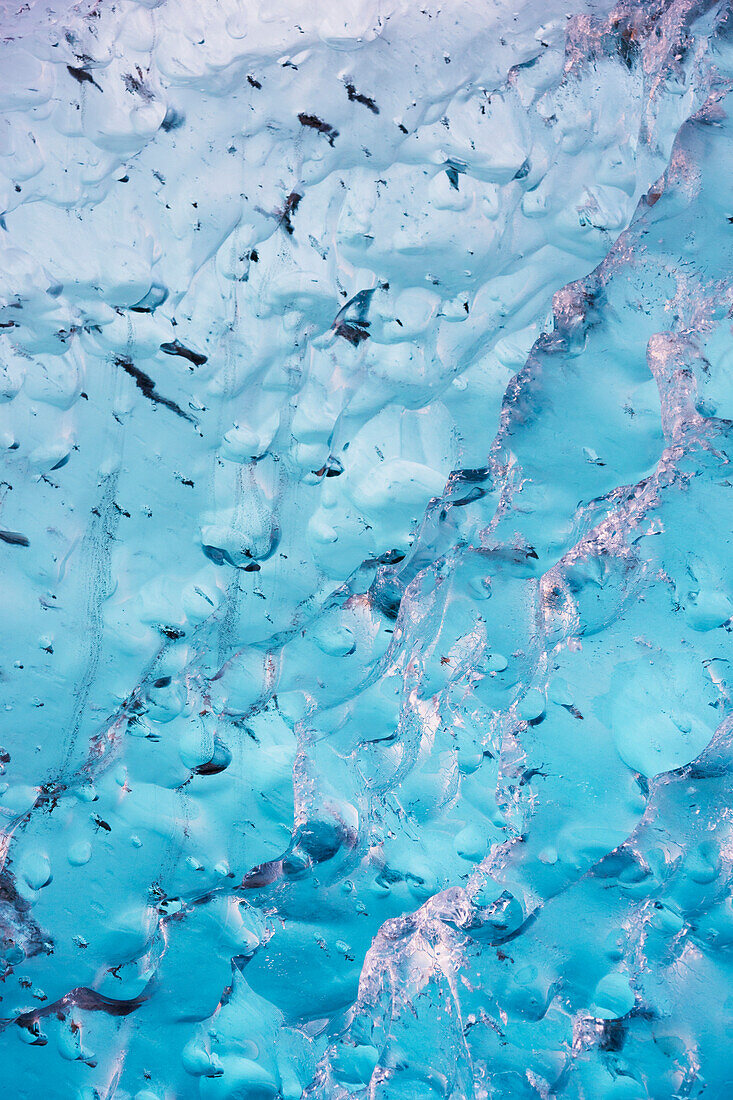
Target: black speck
x,y
365,100
353,331
14,538
291,205
136,84
315,123
147,387
177,348
82,76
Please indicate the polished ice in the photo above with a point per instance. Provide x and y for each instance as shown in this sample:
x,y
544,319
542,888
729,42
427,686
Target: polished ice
x,y
366,390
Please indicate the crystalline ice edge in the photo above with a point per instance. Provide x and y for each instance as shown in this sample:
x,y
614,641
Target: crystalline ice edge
x,y
367,385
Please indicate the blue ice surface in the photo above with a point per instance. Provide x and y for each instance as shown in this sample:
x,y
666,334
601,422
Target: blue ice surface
x,y
365,535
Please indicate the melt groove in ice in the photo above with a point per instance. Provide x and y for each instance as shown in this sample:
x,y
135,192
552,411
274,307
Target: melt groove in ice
x,y
365,529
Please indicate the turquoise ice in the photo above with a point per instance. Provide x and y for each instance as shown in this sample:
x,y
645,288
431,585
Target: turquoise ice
x,y
366,391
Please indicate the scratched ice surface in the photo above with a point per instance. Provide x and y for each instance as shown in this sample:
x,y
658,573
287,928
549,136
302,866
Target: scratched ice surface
x,y
367,581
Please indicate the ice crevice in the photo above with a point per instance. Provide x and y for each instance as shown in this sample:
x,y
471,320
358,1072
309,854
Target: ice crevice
x,y
365,397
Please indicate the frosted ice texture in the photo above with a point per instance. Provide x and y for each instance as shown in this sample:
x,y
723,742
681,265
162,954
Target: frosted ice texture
x,y
367,370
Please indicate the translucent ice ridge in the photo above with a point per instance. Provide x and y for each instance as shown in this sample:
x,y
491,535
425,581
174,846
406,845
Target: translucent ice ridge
x,y
367,585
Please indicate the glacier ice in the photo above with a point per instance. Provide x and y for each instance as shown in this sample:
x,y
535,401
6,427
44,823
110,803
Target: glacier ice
x,y
366,396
